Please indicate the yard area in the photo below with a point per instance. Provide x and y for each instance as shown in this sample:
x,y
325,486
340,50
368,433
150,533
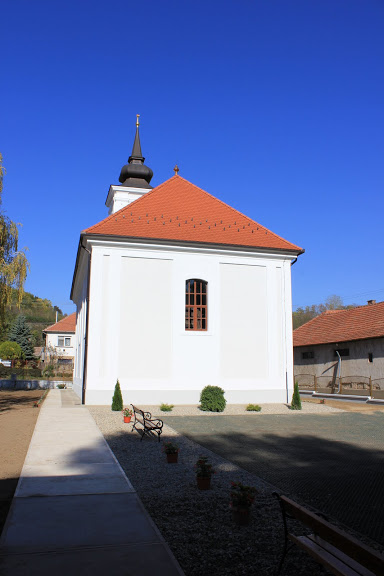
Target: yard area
x,y
332,461
17,422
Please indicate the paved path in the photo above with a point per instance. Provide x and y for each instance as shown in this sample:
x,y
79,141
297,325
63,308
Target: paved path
x,y
334,462
74,510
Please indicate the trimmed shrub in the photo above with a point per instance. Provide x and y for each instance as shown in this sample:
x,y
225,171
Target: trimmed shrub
x,y
253,408
166,407
212,399
296,400
117,400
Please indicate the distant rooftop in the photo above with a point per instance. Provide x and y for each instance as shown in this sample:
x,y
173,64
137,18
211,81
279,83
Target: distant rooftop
x,y
357,323
67,324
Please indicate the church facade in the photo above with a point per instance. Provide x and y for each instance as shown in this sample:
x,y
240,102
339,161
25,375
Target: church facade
x,y
176,290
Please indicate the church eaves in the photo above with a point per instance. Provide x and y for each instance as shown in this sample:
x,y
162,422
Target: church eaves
x,y
177,210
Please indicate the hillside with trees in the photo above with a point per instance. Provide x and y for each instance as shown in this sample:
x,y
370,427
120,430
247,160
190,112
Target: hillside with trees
x,y
302,315
38,312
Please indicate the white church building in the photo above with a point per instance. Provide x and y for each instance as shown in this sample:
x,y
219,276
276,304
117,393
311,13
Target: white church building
x,y
176,290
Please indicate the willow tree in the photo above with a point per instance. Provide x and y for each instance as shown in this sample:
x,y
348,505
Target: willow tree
x,y
14,265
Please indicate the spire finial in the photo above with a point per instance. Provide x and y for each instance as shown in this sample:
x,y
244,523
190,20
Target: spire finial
x,y
176,170
137,120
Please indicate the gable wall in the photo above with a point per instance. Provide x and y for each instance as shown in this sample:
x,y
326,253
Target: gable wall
x,y
137,326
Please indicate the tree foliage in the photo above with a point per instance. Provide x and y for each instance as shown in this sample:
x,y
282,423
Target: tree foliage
x,y
21,333
10,351
303,315
14,265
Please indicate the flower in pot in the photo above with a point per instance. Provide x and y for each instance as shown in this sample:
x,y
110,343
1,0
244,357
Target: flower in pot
x,y
171,450
127,414
242,498
204,471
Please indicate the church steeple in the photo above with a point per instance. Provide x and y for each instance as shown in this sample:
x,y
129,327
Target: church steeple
x,y
136,174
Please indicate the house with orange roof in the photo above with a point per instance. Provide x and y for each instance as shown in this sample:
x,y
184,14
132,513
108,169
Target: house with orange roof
x,y
342,344
60,341
176,290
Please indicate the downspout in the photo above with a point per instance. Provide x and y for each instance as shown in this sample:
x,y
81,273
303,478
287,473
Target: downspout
x,y
339,371
86,328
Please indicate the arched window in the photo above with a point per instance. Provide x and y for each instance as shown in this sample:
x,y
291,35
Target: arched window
x,y
196,305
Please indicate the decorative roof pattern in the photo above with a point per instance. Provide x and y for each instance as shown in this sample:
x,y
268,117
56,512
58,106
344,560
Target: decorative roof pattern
x,y
342,326
67,324
179,210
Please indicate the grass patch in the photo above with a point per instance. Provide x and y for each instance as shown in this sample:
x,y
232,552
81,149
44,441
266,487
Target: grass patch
x,y
253,408
166,407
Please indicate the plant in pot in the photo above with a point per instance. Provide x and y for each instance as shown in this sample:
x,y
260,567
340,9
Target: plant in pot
x,y
242,498
127,414
171,451
204,471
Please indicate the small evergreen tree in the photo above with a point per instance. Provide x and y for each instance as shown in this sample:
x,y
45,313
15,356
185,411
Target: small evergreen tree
x,y
117,400
20,333
296,400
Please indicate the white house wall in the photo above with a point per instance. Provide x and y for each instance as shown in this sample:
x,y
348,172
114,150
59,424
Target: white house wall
x,y
137,325
80,299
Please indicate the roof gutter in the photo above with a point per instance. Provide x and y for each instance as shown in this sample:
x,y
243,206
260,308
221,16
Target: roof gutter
x,y
85,366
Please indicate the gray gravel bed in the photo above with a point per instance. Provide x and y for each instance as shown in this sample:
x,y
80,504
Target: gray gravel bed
x,y
196,524
239,409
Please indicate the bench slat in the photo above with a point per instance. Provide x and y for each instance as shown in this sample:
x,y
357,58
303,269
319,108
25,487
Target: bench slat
x,y
343,557
334,564
356,550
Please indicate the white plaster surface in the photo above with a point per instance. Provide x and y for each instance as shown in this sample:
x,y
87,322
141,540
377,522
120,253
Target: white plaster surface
x,y
137,325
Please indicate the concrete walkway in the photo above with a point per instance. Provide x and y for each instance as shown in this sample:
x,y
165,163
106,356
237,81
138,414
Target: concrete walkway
x,y
74,510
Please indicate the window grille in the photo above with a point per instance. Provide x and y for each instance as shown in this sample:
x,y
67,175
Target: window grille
x,y
196,306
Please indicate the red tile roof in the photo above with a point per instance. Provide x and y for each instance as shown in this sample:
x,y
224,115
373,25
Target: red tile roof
x,y
67,324
342,326
179,210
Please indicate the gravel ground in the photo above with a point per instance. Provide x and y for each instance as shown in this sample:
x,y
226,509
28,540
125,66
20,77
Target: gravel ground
x,y
197,524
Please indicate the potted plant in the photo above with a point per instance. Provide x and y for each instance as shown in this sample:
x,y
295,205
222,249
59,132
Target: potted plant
x,y
242,498
127,413
204,471
171,451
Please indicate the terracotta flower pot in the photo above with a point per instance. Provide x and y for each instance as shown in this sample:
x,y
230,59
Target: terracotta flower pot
x,y
127,419
172,458
241,516
203,482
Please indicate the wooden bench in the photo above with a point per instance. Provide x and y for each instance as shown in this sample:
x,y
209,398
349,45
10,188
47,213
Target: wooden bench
x,y
147,424
341,553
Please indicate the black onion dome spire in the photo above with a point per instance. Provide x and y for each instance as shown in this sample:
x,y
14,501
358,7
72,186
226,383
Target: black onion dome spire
x,y
136,173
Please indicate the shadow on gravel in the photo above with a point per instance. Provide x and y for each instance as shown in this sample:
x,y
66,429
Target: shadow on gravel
x,y
343,477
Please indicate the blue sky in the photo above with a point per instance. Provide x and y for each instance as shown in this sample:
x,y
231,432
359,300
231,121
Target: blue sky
x,y
274,106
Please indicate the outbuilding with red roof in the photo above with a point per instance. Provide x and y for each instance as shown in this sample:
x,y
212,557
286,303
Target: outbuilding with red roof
x,y
176,290
342,344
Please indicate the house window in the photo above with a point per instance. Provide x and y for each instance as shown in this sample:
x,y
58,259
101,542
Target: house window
x,y
63,341
196,309
308,355
342,352
370,357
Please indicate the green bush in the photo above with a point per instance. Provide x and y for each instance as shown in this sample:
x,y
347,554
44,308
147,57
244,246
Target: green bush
x,y
10,351
117,400
166,407
21,373
253,408
48,371
212,399
296,400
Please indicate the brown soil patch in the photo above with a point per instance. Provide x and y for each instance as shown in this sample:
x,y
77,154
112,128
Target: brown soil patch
x,y
347,406
17,422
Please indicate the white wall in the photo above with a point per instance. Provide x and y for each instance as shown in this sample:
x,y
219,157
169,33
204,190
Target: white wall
x,y
52,340
137,325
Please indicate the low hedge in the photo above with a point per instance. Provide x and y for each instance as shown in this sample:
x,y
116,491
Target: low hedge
x,y
26,373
